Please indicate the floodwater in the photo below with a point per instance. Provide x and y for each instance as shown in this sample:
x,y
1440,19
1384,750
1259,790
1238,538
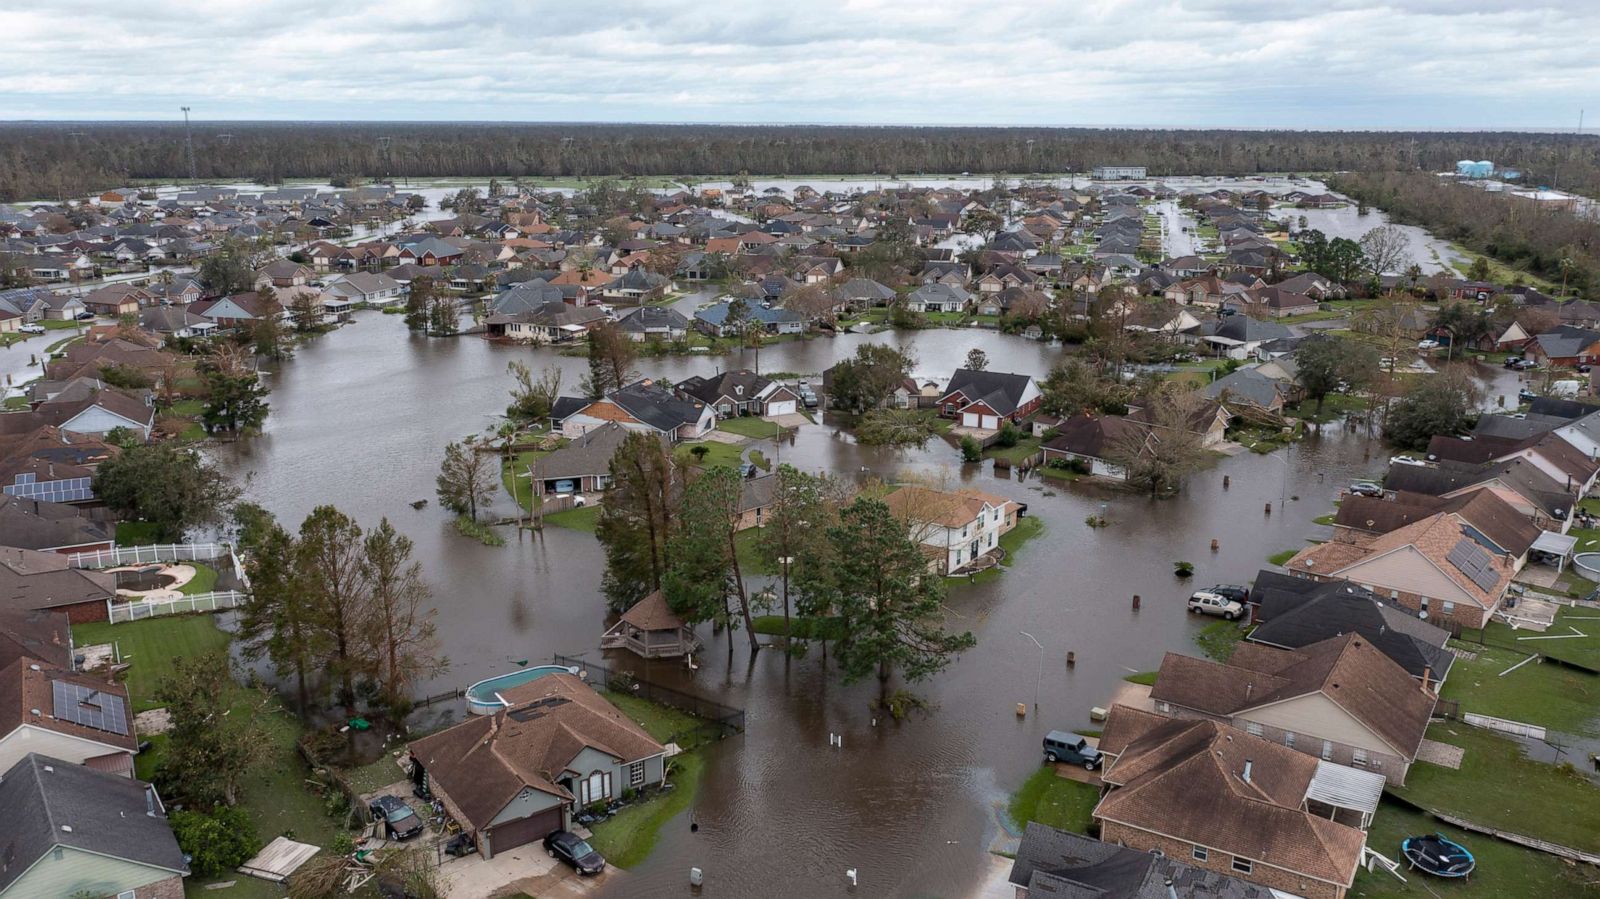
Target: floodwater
x,y
360,417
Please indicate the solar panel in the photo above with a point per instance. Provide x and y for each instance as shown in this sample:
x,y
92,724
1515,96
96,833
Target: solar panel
x,y
89,707
1473,561
65,490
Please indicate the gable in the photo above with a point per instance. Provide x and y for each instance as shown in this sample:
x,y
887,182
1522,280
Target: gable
x,y
1315,716
606,410
1406,569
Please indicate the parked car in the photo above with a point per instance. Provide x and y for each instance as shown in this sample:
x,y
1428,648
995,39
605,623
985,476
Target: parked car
x,y
32,329
1526,396
572,849
1405,460
1208,603
1366,488
399,821
1524,364
1234,592
1060,746
1427,344
807,395
86,316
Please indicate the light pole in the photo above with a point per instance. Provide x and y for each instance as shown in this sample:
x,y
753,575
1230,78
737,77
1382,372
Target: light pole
x,y
1039,674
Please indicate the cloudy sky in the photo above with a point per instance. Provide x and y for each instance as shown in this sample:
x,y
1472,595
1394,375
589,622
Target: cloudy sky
x,y
1293,63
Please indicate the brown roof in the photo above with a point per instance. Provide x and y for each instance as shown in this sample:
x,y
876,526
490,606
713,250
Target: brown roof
x,y
942,507
1374,515
1433,537
1185,779
1094,436
46,636
1348,670
34,524
483,763
25,688
37,580
652,614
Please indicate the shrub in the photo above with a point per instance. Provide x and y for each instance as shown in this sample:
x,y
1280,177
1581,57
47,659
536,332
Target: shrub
x,y
1010,435
971,450
216,842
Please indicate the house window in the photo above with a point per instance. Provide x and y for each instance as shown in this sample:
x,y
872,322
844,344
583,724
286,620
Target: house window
x,y
1252,728
1449,608
1242,865
1288,738
1200,853
1327,750
128,894
596,788
636,774
1358,758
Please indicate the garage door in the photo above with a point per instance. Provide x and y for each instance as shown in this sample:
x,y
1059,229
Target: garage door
x,y
991,422
781,407
510,835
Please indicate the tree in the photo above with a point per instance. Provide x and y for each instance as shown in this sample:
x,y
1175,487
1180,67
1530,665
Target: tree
x,y
465,480
1386,249
977,359
1466,323
982,223
704,575
216,841
795,533
419,304
235,397
637,518
867,379
305,311
404,637
1340,259
1444,404
810,300
168,486
227,270
1072,388
611,360
1158,457
268,339
1479,270
275,621
888,602
339,601
896,427
214,746
532,398
1333,364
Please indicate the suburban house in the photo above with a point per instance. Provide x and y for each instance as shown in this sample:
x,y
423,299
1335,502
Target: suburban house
x,y
514,776
552,321
78,718
643,406
582,466
240,310
1058,863
177,321
284,273
42,637
651,630
1238,336
33,581
983,399
1171,784
86,407
1248,388
1498,525
52,527
72,831
1439,567
654,323
741,392
1545,501
116,300
1093,440
937,296
1293,613
713,320
372,288
1564,345
1340,699
955,528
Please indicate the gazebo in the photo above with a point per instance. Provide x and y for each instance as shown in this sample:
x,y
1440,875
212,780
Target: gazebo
x,y
651,630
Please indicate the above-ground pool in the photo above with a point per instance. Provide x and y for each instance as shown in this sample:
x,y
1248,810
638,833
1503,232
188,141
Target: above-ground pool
x,y
1588,563
483,697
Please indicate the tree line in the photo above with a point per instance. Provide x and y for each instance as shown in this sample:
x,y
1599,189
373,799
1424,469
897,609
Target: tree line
x,y
57,160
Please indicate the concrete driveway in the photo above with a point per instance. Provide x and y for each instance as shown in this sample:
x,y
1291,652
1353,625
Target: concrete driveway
x,y
525,869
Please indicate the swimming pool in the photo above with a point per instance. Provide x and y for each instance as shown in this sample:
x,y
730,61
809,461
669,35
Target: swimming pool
x,y
483,697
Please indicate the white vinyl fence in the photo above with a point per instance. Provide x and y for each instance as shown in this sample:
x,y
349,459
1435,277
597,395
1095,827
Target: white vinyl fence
x,y
145,555
138,610
1504,726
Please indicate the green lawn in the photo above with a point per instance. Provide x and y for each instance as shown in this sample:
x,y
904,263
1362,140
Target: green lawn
x,y
1556,697
716,453
1498,787
1143,678
136,533
1028,527
659,721
749,426
204,580
628,837
801,627
514,475
1053,800
1334,405
583,518
150,647
1583,650
747,545
1279,558
15,403
1026,448
1505,871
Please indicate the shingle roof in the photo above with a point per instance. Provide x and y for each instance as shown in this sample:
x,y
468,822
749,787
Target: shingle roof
x,y
34,524
39,580
999,390
588,454
44,635
1066,865
1291,619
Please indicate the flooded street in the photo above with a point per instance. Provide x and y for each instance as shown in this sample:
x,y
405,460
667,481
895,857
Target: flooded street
x,y
360,418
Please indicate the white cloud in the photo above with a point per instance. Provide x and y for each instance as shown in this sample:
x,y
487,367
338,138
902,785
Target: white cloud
x,y
1334,63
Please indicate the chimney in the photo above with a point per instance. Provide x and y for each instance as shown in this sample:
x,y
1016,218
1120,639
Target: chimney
x,y
1248,767
1427,678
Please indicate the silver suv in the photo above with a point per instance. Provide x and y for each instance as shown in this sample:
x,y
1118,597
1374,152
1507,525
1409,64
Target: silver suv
x,y
1208,603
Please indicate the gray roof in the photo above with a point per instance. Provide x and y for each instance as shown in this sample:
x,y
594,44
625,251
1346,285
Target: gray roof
x,y
34,524
653,318
655,405
53,803
589,454
1565,341
939,292
1000,390
1297,612
1056,863
1248,384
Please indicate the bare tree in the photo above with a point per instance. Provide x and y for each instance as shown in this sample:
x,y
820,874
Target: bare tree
x,y
1167,449
1387,249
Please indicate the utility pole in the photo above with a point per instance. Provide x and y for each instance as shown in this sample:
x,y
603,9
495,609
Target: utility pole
x,y
1039,673
188,143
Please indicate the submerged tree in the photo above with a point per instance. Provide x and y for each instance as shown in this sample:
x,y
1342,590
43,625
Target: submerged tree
x,y
404,637
466,480
638,517
704,580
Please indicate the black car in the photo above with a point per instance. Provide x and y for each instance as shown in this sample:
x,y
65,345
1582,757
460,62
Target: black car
x,y
399,821
1231,591
575,851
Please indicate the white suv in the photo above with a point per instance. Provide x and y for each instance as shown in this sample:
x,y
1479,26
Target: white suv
x,y
1206,602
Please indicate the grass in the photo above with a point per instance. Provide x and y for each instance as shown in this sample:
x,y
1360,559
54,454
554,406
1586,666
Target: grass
x,y
1053,800
1497,786
15,403
627,838
716,454
583,518
151,646
467,526
747,546
1578,650
1219,639
57,346
659,721
1334,406
1143,678
1505,871
1026,448
204,580
750,426
1279,558
136,533
800,627
1324,519
1558,698
517,464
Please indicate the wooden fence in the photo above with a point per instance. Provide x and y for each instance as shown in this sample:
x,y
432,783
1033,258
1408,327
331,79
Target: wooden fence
x,y
138,610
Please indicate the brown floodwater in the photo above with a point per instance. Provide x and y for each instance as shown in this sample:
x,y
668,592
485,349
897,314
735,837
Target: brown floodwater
x,y
360,417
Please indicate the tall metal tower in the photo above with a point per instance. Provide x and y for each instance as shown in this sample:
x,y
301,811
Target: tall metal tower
x,y
188,143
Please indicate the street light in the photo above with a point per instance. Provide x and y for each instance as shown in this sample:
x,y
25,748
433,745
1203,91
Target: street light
x,y
1039,675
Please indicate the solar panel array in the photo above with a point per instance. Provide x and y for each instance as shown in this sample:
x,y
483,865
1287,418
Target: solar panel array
x,y
89,707
64,490
1475,562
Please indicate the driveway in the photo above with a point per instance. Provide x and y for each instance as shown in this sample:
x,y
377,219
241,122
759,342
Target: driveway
x,y
526,869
